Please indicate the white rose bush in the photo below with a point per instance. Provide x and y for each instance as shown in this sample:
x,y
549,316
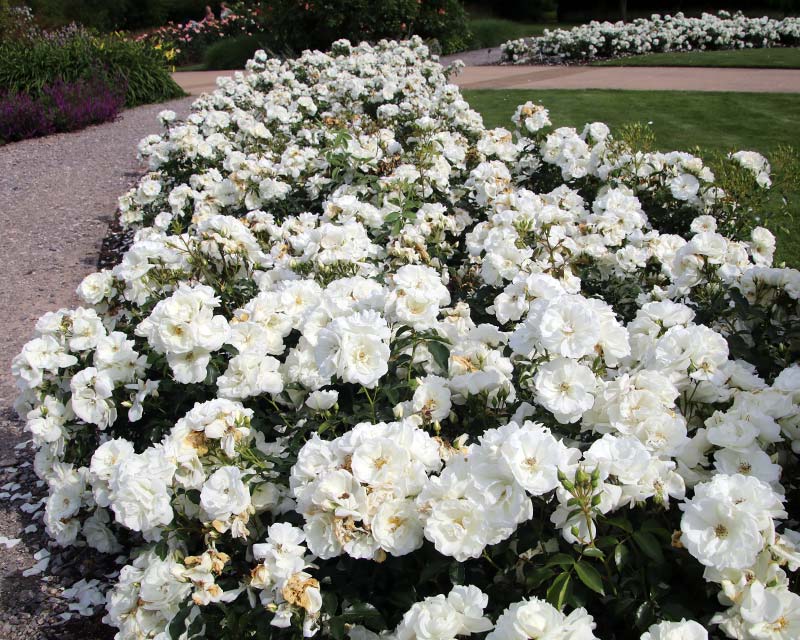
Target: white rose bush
x,y
371,370
657,34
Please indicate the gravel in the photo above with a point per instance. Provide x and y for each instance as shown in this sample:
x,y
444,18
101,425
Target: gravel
x,y
57,201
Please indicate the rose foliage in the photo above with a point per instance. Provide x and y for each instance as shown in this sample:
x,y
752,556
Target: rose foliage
x,y
371,370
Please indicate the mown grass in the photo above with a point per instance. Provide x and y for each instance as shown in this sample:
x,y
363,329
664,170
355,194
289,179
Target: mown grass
x,y
680,120
773,58
492,32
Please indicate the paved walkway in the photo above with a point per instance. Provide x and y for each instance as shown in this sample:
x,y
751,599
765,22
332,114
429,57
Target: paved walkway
x,y
57,197
585,77
476,57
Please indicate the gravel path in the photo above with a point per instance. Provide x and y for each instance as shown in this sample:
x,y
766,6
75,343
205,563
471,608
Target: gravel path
x,y
57,197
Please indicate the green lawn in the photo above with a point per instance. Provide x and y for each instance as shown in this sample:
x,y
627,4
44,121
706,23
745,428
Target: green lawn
x,y
775,58
492,32
680,120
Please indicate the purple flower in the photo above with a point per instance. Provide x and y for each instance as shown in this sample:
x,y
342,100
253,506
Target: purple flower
x,y
61,106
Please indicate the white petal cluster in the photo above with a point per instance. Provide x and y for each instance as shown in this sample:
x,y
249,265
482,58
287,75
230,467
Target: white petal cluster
x,y
654,34
534,618
729,520
480,499
184,328
358,492
459,613
282,580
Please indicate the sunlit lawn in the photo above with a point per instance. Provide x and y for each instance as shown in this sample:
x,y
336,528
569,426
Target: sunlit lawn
x,y
680,120
773,58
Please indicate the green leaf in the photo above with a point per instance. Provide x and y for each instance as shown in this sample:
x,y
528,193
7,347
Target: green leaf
x,y
440,353
606,541
537,577
432,569
457,573
645,615
162,548
403,599
594,552
675,611
621,555
357,613
649,545
195,627
178,623
557,592
391,394
560,559
655,527
329,602
590,577
620,523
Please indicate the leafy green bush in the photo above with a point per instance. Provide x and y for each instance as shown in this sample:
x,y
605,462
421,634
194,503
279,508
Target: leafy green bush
x,y
295,26
445,21
186,42
117,14
492,32
523,9
233,53
26,66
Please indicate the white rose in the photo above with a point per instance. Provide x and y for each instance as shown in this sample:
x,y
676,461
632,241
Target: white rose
x,y
432,398
397,527
565,388
683,630
96,287
224,494
322,400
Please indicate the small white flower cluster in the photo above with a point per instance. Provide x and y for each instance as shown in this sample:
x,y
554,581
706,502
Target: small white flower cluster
x,y
147,595
358,492
355,325
653,35
536,618
756,163
282,580
443,617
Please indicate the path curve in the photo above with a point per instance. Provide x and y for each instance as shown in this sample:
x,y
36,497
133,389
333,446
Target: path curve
x,y
586,77
57,197
631,78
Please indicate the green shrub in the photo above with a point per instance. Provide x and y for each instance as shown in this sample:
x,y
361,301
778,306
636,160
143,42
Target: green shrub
x,y
523,9
295,26
492,32
27,66
445,21
117,14
233,53
181,10
186,43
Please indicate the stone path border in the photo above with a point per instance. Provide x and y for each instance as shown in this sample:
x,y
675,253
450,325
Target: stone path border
x,y
585,77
